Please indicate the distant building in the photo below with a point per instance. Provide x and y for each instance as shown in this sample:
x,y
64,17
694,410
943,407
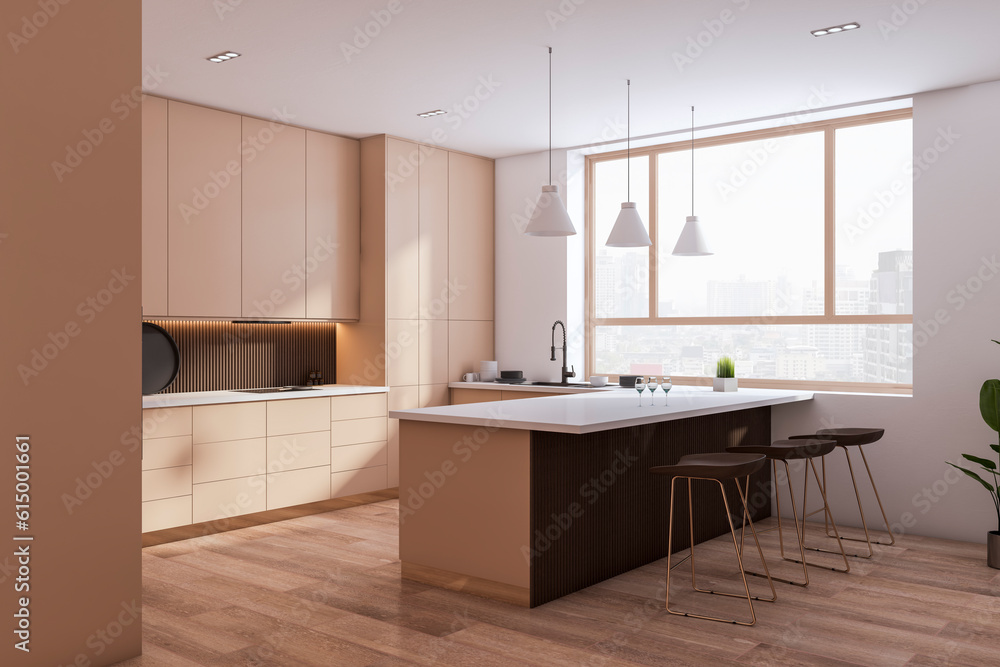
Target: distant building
x,y
740,298
889,347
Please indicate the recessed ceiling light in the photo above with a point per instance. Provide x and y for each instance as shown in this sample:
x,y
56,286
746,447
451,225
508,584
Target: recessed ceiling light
x,y
429,114
837,28
223,57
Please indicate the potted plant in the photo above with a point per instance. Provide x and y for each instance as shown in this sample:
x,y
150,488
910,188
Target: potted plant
x,y
725,375
989,408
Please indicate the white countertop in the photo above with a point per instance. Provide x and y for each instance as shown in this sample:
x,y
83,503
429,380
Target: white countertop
x,y
548,389
600,411
216,397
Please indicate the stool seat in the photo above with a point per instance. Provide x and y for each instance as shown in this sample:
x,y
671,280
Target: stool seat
x,y
847,437
789,450
719,465
855,437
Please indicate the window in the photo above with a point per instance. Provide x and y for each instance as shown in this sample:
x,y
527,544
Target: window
x,y
811,283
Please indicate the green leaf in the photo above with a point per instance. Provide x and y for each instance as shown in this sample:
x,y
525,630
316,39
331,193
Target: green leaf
x,y
989,487
986,463
995,448
989,403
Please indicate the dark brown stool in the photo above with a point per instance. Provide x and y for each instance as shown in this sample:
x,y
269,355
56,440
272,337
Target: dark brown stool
x,y
855,437
715,467
797,450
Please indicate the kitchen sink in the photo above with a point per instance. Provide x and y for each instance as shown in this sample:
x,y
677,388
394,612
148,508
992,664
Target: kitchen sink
x,y
274,390
562,384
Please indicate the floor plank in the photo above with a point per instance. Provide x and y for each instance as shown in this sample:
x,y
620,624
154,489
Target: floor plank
x,y
325,589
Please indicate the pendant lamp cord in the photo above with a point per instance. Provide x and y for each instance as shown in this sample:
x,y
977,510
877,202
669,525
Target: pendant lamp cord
x,y
550,115
628,139
692,161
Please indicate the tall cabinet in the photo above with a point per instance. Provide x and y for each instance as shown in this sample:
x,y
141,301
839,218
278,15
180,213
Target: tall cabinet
x,y
247,218
427,300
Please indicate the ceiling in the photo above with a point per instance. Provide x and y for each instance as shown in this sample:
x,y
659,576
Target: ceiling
x,y
487,62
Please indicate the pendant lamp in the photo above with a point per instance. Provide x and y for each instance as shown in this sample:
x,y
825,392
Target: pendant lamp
x,y
628,232
549,217
691,242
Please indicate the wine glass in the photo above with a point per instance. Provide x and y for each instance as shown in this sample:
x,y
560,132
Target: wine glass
x,y
666,386
640,387
652,384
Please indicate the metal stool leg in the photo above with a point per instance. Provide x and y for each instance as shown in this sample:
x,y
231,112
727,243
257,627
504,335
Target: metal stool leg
x,y
737,548
827,519
892,538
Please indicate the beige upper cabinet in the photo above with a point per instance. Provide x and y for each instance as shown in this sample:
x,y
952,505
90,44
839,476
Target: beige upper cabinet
x,y
402,255
470,237
204,197
333,227
154,206
433,230
274,220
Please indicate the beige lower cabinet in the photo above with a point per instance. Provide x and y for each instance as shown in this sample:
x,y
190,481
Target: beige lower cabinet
x,y
215,461
358,445
228,498
166,513
350,482
358,406
297,451
210,463
461,396
166,468
296,487
298,468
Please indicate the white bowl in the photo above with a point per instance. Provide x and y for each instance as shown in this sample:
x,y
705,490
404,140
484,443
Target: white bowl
x,y
598,380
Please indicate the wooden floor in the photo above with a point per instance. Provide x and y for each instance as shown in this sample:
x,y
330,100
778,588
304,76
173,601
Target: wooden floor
x,y
325,590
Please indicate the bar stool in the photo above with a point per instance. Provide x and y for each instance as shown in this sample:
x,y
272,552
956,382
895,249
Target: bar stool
x,y
715,467
798,450
855,437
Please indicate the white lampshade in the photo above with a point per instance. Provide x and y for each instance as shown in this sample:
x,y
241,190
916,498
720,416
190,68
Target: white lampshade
x,y
692,241
628,232
549,217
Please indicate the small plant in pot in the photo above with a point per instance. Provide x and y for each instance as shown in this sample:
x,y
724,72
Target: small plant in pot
x,y
989,408
725,375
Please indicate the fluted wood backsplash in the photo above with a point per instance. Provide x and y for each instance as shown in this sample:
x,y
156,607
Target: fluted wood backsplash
x,y
219,355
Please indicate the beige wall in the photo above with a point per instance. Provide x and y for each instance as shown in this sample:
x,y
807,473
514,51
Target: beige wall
x,y
67,235
955,247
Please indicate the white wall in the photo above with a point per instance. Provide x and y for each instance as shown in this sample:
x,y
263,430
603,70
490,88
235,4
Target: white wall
x,y
956,199
956,237
530,271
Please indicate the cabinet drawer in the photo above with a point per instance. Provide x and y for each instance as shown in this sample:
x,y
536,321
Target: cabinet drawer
x,y
166,452
225,460
298,415
301,450
359,406
354,431
354,457
166,513
228,498
297,487
357,481
166,483
235,421
166,422
462,396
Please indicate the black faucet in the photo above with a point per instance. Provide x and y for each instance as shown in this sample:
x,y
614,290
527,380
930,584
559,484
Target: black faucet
x,y
566,372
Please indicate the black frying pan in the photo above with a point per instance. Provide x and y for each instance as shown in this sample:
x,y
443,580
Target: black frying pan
x,y
160,358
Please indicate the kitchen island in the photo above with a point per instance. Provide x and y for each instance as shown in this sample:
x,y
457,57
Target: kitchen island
x,y
529,500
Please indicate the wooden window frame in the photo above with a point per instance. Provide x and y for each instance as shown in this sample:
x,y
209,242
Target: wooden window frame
x,y
829,128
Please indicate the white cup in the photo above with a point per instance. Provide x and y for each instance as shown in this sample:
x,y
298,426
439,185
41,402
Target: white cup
x,y
471,377
598,380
